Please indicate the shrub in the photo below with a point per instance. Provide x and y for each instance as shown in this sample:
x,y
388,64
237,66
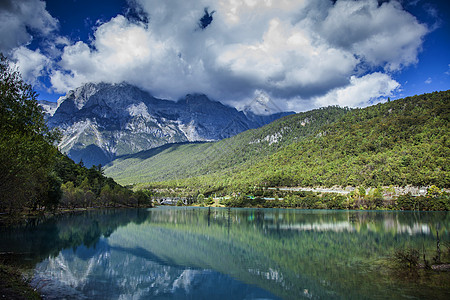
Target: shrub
x,y
406,258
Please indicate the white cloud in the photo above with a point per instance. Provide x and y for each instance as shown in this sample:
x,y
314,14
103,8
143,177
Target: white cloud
x,y
383,35
18,18
297,51
428,81
362,91
31,64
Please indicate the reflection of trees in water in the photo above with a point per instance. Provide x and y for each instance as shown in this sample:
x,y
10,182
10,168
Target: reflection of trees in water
x,y
286,251
321,244
39,239
378,221
290,243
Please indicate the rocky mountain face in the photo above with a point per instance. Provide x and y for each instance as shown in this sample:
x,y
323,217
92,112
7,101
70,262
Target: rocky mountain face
x,y
102,121
48,107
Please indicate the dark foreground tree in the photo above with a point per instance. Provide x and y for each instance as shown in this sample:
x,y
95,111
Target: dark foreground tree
x,y
27,149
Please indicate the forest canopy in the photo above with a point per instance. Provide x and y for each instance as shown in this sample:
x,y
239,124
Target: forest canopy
x,y
33,173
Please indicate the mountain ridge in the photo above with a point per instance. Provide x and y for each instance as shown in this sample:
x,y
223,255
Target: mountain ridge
x,y
101,121
400,143
189,159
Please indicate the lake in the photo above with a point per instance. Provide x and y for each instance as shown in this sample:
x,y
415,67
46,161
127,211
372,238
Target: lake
x,y
220,253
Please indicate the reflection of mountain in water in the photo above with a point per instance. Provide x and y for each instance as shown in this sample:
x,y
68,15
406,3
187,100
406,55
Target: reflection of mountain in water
x,y
167,253
108,272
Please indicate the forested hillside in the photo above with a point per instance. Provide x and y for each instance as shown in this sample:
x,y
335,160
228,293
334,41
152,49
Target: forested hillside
x,y
34,175
179,161
401,142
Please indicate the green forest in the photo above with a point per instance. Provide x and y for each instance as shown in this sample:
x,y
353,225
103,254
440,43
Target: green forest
x,y
177,161
398,143
34,175
402,142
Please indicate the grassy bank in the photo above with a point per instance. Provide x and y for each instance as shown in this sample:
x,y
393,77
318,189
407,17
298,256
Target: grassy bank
x,y
13,285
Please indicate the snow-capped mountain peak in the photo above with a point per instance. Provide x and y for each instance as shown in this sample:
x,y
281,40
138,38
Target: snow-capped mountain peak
x,y
101,121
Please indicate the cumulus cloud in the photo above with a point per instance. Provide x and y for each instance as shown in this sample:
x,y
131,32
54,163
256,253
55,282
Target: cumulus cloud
x,y
19,19
300,53
290,49
383,35
31,64
361,91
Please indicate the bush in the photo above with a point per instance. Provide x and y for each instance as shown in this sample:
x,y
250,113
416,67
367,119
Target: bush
x,y
406,258
334,201
439,203
209,201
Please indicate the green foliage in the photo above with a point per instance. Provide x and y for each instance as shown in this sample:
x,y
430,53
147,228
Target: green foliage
x,y
33,174
200,198
399,143
143,198
26,144
408,202
180,161
404,142
312,200
434,191
54,192
362,191
209,201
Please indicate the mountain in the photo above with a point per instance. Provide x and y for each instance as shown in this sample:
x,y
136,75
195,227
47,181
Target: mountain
x,y
48,107
402,142
179,161
102,121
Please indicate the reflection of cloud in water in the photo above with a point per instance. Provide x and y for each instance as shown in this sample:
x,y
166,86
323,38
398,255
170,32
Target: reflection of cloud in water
x,y
416,228
189,253
185,280
271,274
336,227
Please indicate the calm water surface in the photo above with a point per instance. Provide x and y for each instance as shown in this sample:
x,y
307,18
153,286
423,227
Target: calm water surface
x,y
200,253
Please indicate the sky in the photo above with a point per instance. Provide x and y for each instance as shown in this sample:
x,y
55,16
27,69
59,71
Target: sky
x,y
300,54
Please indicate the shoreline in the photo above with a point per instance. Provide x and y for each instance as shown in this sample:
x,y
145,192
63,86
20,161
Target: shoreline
x,y
7,220
13,284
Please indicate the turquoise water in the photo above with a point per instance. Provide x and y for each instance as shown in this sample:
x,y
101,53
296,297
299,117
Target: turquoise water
x,y
201,253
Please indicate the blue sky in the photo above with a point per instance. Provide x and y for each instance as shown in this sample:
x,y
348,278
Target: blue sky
x,y
301,54
432,72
